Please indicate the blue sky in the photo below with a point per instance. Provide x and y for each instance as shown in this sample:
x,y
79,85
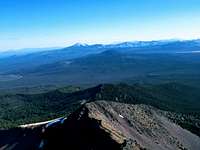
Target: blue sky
x,y
47,23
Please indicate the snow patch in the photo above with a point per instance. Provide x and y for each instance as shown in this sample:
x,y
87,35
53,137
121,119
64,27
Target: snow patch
x,y
121,116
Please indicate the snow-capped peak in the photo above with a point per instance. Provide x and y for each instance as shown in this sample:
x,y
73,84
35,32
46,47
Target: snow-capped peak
x,y
80,45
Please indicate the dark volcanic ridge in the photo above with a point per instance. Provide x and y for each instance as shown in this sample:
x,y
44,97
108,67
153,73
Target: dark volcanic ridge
x,y
111,125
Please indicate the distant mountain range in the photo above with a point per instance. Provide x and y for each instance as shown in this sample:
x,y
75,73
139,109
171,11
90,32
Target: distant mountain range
x,y
136,44
94,64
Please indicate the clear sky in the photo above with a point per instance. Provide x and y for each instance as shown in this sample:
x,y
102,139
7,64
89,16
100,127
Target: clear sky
x,y
47,23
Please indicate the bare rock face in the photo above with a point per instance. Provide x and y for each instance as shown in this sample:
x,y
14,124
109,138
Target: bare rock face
x,y
110,125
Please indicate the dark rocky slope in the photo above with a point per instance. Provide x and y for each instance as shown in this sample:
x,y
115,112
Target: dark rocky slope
x,y
110,125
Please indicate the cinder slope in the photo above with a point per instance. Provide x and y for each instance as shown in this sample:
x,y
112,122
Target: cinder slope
x,y
109,125
141,125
